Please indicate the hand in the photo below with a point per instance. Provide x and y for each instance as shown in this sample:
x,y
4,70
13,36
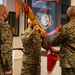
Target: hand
x,y
36,27
8,72
54,50
43,35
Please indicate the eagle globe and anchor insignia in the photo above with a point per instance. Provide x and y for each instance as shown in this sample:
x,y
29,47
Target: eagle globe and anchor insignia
x,y
46,21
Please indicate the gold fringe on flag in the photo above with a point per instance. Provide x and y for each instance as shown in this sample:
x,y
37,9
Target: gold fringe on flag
x,y
19,7
30,14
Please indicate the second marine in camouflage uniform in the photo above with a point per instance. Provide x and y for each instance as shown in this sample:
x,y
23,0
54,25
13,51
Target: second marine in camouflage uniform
x,y
31,60
66,39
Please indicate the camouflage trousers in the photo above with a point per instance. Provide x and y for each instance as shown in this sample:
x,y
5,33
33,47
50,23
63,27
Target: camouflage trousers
x,y
68,71
1,70
30,69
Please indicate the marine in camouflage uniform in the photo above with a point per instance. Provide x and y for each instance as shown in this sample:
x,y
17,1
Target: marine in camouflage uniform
x,y
6,47
66,39
5,44
31,60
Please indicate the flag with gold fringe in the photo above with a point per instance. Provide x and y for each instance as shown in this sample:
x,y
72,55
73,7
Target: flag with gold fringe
x,y
51,58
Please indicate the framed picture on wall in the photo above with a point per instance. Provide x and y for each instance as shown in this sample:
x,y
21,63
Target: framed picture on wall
x,y
14,22
64,8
